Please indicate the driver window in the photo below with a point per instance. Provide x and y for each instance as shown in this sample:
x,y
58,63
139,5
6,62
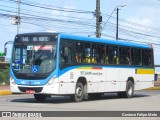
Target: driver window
x,y
65,55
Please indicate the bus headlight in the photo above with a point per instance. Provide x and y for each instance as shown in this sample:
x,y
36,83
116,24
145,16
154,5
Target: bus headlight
x,y
12,81
51,81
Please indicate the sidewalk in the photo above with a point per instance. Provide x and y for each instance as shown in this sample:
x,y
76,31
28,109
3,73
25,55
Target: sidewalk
x,y
5,90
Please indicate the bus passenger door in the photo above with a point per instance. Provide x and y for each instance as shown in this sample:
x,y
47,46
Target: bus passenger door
x,y
66,73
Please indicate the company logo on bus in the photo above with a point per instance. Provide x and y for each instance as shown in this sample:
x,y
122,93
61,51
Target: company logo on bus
x,y
46,47
30,82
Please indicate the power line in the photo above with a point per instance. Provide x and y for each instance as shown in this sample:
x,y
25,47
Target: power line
x,y
49,7
46,13
44,19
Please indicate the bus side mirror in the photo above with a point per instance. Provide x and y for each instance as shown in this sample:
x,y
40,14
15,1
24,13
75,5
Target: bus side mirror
x,y
5,51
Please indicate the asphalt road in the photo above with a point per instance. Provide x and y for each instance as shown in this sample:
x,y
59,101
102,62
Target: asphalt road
x,y
145,100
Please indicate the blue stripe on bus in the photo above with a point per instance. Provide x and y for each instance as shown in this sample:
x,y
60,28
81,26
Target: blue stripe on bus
x,y
106,41
37,82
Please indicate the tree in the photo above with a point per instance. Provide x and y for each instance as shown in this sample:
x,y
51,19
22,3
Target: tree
x,y
5,75
2,54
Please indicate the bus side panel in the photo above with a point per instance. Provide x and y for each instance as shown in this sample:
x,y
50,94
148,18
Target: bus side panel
x,y
102,79
146,78
113,83
52,89
125,73
67,83
147,81
137,78
92,81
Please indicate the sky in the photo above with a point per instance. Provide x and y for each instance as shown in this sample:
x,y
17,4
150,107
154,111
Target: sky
x,y
142,12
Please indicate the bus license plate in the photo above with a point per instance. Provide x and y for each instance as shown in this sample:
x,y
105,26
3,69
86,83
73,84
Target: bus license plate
x,y
30,91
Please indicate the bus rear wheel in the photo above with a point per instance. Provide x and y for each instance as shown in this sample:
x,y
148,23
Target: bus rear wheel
x,y
79,92
40,97
129,91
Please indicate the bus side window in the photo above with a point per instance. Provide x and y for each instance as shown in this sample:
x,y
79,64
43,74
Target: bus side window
x,y
146,57
124,56
95,56
112,55
66,55
107,53
136,56
110,58
87,53
79,52
102,54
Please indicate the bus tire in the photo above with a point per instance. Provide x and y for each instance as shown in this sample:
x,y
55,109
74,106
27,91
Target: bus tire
x,y
40,97
85,95
79,92
129,91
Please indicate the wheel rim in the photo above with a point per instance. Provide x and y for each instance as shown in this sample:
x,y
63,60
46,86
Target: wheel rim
x,y
79,92
130,90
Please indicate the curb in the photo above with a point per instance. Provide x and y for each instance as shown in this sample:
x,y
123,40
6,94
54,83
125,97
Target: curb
x,y
5,92
153,88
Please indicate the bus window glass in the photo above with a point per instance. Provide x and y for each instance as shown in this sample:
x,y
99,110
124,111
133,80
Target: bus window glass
x,y
17,53
124,56
87,53
79,52
112,55
66,55
136,56
98,54
27,57
102,54
146,57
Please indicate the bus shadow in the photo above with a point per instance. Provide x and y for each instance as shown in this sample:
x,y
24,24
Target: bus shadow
x,y
112,96
66,99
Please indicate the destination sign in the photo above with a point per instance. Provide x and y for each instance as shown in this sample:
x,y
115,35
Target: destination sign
x,y
35,38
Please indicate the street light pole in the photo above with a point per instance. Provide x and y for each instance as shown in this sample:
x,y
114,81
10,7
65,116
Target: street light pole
x,y
18,24
115,9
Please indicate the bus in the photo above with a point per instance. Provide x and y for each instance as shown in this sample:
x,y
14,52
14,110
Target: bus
x,y
48,64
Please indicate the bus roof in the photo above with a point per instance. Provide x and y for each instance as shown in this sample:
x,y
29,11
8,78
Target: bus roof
x,y
38,33
107,41
92,39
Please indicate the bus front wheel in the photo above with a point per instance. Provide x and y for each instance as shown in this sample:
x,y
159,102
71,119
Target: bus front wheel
x,y
78,96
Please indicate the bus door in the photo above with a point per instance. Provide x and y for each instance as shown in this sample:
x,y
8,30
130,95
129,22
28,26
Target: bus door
x,y
66,80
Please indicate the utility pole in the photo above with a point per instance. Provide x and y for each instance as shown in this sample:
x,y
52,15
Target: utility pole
x,y
117,24
98,19
18,24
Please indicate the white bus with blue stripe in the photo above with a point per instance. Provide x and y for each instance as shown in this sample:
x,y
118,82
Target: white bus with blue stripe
x,y
46,64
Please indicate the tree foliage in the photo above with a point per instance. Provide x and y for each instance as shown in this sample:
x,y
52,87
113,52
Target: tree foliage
x,y
4,76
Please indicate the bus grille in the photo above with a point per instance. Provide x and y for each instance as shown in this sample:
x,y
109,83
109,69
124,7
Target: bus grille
x,y
36,89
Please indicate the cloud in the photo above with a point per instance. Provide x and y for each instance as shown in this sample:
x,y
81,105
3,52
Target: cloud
x,y
140,20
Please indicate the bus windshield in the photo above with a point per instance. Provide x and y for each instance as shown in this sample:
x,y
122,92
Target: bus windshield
x,y
34,59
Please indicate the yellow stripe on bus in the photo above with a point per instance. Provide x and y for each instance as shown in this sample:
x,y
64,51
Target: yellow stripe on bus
x,y
85,68
145,71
